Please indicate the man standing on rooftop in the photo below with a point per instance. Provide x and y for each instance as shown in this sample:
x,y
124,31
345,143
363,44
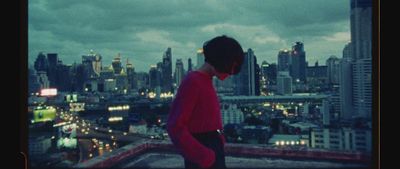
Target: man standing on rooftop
x,y
194,122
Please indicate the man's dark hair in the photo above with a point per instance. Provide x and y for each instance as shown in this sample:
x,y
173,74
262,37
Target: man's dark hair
x,y
224,53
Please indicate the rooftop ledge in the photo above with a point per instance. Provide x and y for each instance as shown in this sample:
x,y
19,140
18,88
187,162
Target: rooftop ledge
x,y
142,146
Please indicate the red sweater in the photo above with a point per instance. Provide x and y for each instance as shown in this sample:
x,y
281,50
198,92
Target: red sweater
x,y
194,110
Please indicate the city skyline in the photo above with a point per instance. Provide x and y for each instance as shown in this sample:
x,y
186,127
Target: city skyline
x,y
142,31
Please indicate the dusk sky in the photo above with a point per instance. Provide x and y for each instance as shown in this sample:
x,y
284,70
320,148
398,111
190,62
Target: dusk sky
x,y
142,30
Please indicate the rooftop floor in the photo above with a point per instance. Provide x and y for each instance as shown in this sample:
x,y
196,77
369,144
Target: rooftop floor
x,y
173,160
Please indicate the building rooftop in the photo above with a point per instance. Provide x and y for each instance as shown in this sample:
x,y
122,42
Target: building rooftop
x,y
303,125
161,154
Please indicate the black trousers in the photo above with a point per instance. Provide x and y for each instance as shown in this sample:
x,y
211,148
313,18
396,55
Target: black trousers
x,y
213,142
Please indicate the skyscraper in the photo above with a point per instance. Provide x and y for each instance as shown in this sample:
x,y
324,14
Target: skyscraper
x,y
43,80
52,58
333,64
317,77
284,60
200,58
92,65
95,58
271,73
190,66
117,65
131,74
361,38
345,87
298,63
154,78
52,70
284,83
121,81
49,65
248,83
77,77
325,112
33,81
264,78
64,77
361,28
362,87
167,71
142,80
41,63
179,72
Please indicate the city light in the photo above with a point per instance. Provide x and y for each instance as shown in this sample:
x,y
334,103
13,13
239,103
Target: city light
x,y
114,119
166,95
277,143
152,95
60,124
118,108
48,92
76,107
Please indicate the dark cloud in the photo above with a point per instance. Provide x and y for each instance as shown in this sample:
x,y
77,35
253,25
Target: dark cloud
x,y
142,30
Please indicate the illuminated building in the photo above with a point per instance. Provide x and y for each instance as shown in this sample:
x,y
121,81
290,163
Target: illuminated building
x,y
154,78
200,58
298,63
284,60
117,65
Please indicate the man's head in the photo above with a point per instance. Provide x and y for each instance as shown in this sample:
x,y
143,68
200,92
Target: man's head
x,y
225,54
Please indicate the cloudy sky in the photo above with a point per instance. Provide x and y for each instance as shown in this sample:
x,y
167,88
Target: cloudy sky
x,y
142,30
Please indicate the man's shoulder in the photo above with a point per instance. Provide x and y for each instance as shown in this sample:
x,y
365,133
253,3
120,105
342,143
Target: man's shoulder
x,y
192,77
